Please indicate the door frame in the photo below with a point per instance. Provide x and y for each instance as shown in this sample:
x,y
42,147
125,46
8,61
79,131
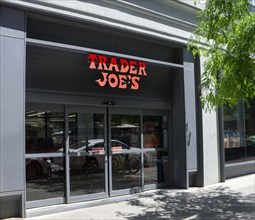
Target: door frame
x,y
93,196
119,111
169,150
107,111
141,113
48,201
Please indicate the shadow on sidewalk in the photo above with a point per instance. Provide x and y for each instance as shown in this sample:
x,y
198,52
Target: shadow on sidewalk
x,y
217,203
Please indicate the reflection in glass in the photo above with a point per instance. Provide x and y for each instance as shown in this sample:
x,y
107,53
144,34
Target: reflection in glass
x,y
87,153
155,131
125,145
126,172
44,178
126,128
234,141
155,169
44,131
87,174
250,130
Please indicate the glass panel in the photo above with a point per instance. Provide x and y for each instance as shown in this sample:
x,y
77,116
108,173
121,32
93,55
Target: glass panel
x,y
125,145
155,168
234,133
155,131
87,174
44,178
87,153
126,172
126,129
45,131
250,130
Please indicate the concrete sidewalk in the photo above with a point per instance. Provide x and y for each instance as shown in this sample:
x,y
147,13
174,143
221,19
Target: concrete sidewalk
x,y
234,199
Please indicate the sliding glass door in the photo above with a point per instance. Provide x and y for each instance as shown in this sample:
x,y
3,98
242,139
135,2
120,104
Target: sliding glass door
x,y
80,153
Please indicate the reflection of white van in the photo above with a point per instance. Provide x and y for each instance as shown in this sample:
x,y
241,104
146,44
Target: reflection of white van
x,y
87,157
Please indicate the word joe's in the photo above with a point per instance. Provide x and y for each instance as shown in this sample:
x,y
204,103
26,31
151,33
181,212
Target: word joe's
x,y
118,73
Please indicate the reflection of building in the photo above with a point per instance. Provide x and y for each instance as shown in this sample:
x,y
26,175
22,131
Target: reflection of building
x,y
54,96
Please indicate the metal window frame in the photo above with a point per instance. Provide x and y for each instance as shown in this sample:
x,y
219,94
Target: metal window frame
x,y
49,201
45,202
92,196
119,111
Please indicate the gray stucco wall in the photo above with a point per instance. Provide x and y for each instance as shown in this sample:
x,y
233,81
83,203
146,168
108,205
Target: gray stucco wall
x,y
211,164
168,20
12,51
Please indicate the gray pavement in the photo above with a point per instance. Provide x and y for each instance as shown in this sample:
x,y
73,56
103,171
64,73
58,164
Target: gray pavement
x,y
234,199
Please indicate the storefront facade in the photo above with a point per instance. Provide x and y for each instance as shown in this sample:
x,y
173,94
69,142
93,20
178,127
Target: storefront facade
x,y
99,100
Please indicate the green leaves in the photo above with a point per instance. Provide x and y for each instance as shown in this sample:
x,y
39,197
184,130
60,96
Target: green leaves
x,y
225,36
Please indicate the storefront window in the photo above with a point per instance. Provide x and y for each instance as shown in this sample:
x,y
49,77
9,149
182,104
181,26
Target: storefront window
x,y
44,131
234,133
45,138
239,132
250,130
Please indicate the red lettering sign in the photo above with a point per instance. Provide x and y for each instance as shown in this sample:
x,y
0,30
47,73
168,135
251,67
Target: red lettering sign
x,y
116,149
118,73
98,150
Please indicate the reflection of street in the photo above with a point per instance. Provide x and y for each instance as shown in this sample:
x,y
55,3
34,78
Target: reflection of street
x,y
45,189
126,174
80,182
126,180
150,175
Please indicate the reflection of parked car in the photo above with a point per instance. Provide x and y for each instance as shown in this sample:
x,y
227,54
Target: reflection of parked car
x,y
90,157
37,168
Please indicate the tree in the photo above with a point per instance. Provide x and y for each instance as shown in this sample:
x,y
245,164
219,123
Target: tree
x,y
225,36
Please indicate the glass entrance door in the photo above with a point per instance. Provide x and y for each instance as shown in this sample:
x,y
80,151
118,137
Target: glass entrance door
x,y
139,150
155,149
125,153
114,152
45,141
84,153
87,154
